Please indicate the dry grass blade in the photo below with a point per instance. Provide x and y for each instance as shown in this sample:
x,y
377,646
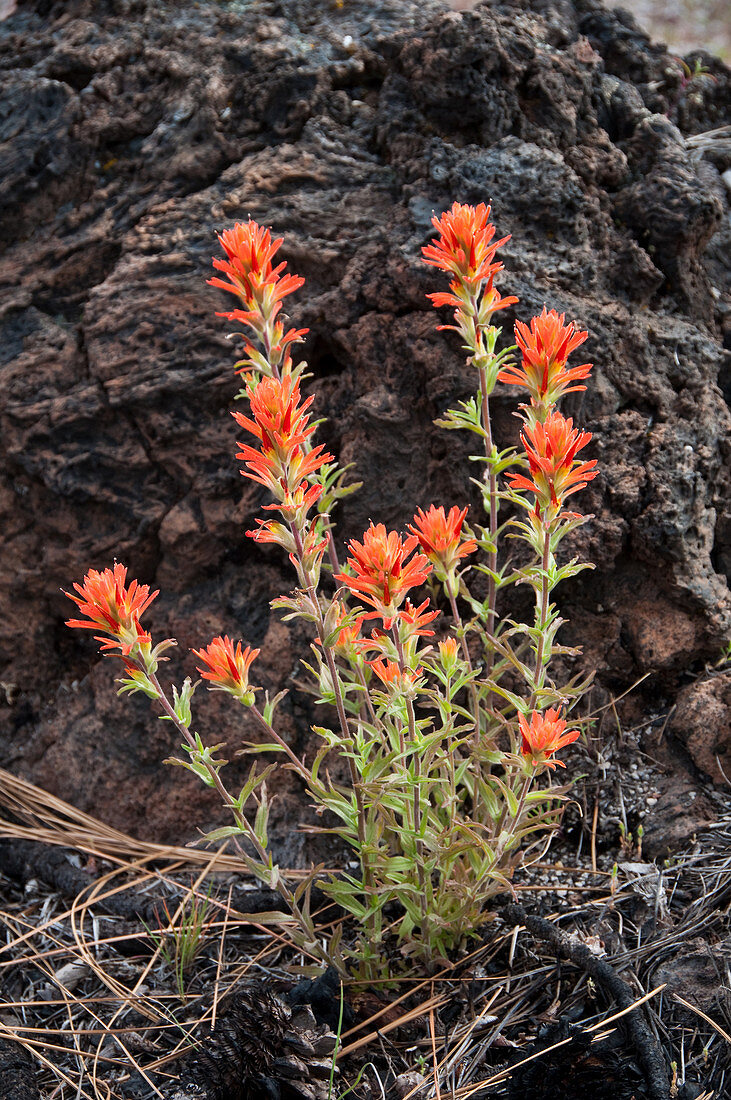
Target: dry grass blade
x,y
37,1051
50,820
699,1012
71,1034
411,1014
433,1039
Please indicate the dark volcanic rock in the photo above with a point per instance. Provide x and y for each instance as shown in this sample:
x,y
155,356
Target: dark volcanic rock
x,y
702,723
131,131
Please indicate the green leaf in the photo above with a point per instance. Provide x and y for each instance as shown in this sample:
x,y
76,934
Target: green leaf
x,y
224,833
510,798
261,820
270,705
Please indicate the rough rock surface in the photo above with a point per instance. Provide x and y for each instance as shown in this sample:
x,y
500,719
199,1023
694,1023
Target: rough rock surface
x,y
131,131
702,723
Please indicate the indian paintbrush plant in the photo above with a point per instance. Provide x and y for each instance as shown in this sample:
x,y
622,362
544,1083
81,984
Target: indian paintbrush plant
x,y
449,746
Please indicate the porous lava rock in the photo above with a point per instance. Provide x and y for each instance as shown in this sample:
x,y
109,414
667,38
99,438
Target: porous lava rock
x,y
131,131
702,724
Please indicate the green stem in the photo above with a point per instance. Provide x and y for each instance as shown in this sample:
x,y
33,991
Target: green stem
x,y
478,769
480,352
375,720
411,719
542,601
269,730
368,882
242,822
448,757
409,708
502,845
332,552
466,657
492,489
332,668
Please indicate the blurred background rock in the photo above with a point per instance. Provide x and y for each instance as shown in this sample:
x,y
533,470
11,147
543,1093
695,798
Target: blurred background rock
x,y
683,25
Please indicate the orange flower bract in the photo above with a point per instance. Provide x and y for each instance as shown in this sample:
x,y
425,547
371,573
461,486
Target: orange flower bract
x,y
449,651
544,735
546,346
249,252
551,449
416,619
440,536
113,607
227,667
390,674
281,425
491,300
383,575
465,245
348,638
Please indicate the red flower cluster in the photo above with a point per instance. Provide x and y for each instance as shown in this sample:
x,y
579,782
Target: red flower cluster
x,y
466,248
250,250
261,287
545,348
227,668
112,607
543,736
465,245
440,537
551,448
383,576
280,423
391,676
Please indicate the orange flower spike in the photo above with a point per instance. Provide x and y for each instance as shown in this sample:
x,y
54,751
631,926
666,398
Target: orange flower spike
x,y
250,250
111,606
280,423
546,346
543,736
279,419
466,248
551,449
465,245
383,576
416,619
440,537
389,673
227,668
491,300
260,287
277,473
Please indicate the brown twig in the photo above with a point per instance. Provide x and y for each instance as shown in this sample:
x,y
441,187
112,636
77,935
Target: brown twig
x,y
17,1075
